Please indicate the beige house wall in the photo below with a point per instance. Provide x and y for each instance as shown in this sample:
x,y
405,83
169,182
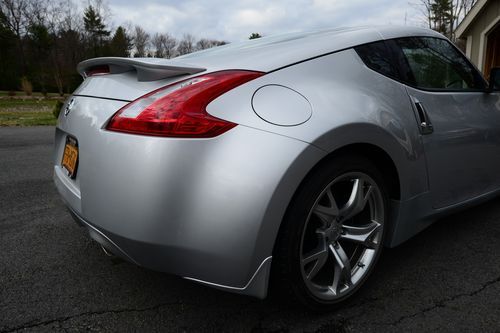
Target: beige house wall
x,y
478,32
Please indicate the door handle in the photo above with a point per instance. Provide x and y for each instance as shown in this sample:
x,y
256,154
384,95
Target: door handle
x,y
425,124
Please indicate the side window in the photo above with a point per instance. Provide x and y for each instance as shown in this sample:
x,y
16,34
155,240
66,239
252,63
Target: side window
x,y
377,57
434,63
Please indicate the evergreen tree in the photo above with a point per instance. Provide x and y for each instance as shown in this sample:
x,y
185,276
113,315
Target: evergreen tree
x,y
442,16
121,43
96,30
43,41
445,15
255,35
39,43
9,70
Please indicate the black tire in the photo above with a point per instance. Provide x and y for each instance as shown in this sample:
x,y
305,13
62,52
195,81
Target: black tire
x,y
287,279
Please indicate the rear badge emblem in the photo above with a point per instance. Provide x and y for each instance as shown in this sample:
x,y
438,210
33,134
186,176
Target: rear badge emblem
x,y
68,108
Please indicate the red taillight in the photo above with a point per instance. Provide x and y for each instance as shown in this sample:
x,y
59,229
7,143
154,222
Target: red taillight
x,y
97,70
178,110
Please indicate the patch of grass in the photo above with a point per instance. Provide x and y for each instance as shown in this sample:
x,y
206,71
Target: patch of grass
x,y
27,104
5,93
57,108
29,112
27,118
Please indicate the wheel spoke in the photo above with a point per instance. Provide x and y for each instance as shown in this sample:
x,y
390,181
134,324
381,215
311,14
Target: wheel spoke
x,y
357,200
333,203
318,257
326,214
363,235
342,273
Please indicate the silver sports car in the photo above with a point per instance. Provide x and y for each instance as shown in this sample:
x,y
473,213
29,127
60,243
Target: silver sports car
x,y
288,161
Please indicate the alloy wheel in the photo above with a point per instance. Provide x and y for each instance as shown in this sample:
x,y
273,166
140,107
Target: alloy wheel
x,y
342,236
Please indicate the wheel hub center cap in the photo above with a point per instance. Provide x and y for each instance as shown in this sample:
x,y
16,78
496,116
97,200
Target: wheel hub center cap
x,y
333,232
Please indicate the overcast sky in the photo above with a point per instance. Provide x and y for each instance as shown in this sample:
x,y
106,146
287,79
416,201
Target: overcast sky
x,y
234,20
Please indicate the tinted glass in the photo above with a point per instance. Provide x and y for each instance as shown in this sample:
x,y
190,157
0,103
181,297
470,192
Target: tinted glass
x,y
435,64
377,57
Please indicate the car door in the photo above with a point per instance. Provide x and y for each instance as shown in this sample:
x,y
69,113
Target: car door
x,y
459,122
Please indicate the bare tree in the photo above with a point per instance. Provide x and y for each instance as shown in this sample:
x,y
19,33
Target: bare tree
x,y
460,8
425,7
37,12
68,50
141,42
203,44
170,46
158,42
69,18
15,18
14,12
186,45
164,45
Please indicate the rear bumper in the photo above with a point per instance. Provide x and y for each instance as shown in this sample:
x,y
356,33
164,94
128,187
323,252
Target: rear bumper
x,y
208,209
101,238
256,286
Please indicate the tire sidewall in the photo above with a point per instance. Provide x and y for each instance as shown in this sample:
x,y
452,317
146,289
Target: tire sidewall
x,y
288,249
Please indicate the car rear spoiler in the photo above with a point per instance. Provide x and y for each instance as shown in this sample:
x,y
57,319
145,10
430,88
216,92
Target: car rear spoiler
x,y
148,69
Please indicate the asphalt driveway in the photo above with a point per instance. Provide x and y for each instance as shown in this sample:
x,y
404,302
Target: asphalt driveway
x,y
53,277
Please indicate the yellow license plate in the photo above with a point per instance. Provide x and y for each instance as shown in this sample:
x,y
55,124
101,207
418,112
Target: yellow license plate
x,y
70,157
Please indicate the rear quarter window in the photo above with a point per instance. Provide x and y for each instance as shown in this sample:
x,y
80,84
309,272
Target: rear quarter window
x,y
377,57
